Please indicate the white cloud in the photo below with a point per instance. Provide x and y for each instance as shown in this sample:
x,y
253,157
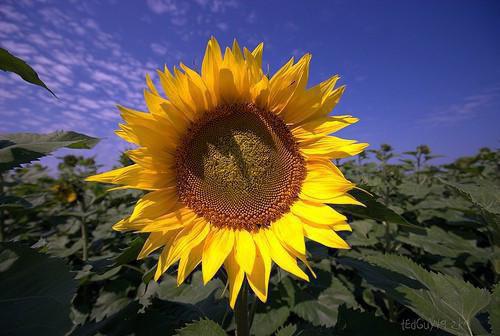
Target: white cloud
x,y
86,87
158,49
217,6
251,17
10,13
222,26
8,28
162,6
470,107
88,68
18,48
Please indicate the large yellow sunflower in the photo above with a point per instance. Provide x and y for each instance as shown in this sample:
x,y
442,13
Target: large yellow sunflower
x,y
238,166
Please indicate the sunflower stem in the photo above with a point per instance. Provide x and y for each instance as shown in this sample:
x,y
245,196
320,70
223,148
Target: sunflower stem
x,y
84,241
1,211
84,230
241,312
253,307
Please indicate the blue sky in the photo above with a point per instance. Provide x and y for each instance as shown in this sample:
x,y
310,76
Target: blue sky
x,y
416,71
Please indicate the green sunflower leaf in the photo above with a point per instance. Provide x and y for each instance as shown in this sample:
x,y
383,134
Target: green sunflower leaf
x,y
266,323
446,302
36,292
288,330
11,63
190,293
445,243
131,252
356,323
202,327
10,201
483,194
373,209
494,310
159,318
19,148
321,309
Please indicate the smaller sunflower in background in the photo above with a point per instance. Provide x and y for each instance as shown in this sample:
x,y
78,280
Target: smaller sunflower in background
x,y
65,192
238,166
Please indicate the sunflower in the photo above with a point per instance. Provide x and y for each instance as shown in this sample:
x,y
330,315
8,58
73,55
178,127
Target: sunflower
x,y
238,168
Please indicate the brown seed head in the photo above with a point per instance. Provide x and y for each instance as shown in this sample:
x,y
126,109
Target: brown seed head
x,y
239,167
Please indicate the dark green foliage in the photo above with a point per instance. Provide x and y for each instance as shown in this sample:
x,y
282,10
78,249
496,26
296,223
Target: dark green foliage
x,y
19,148
424,257
11,63
36,292
201,327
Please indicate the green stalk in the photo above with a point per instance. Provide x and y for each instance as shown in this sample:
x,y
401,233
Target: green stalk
x,y
84,241
241,312
2,237
387,237
84,231
253,308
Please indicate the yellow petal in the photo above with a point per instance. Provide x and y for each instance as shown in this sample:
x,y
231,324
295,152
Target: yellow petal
x,y
210,67
244,250
309,104
235,276
155,241
127,136
257,54
135,176
331,147
323,182
345,199
147,159
320,127
281,257
330,100
175,90
342,227
161,266
284,85
155,204
238,56
125,225
157,126
156,140
190,93
187,238
258,279
135,117
197,83
179,217
288,229
325,236
166,113
260,93
317,213
188,262
217,247
151,85
227,90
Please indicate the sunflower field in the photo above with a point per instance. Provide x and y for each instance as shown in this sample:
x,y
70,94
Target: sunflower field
x,y
424,256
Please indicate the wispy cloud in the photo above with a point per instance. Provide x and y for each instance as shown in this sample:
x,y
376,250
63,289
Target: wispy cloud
x,y
177,11
158,49
222,26
469,108
64,48
217,6
163,6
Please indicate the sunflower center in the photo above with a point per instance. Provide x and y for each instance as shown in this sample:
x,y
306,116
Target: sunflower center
x,y
239,166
